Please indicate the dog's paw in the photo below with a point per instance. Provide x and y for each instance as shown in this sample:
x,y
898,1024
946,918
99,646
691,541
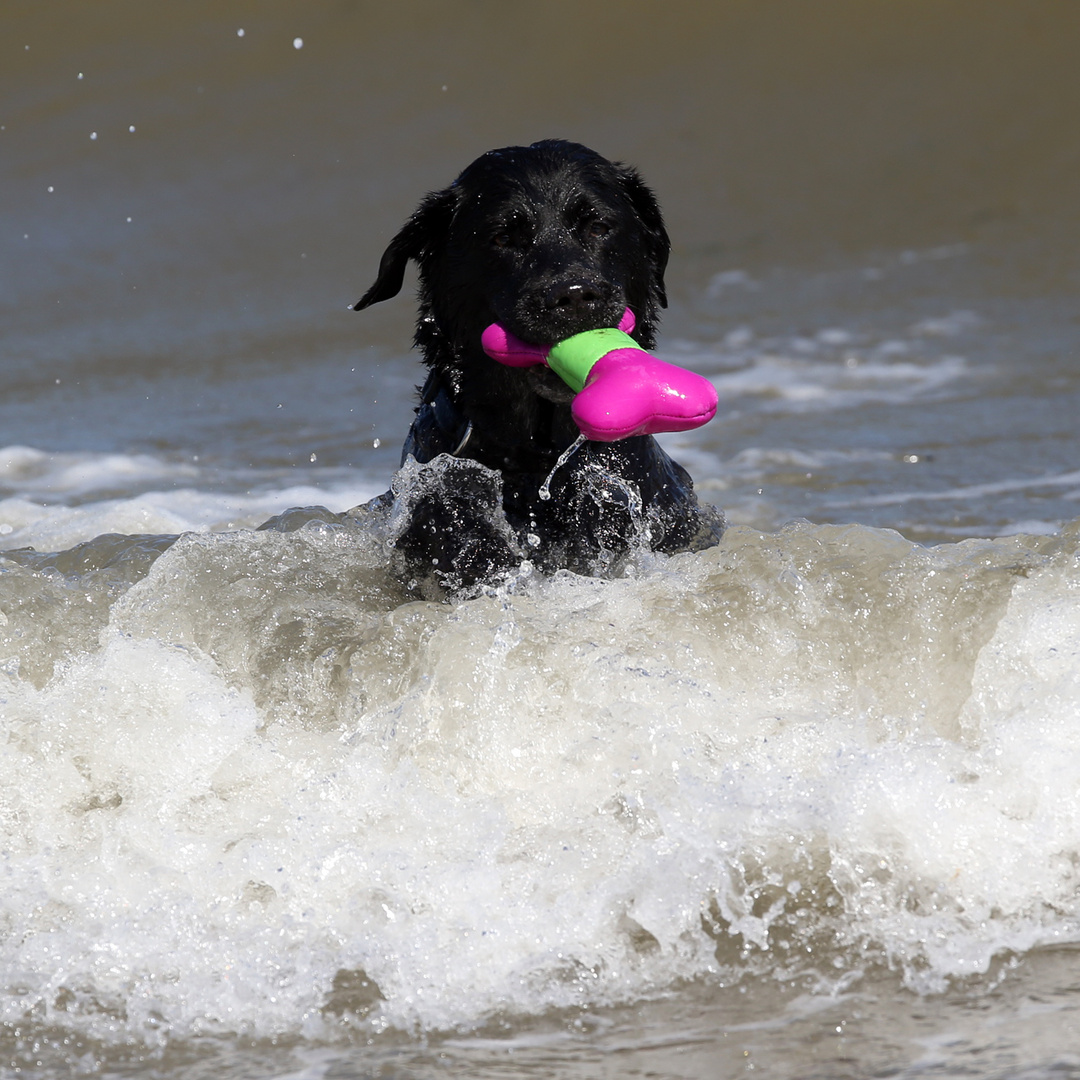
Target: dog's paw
x,y
448,528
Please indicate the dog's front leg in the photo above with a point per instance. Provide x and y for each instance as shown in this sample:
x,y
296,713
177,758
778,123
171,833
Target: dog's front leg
x,y
448,527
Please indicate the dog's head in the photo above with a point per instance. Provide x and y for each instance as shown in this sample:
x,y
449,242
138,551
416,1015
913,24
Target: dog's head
x,y
549,240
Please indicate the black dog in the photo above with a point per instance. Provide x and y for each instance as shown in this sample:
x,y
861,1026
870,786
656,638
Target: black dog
x,y
549,240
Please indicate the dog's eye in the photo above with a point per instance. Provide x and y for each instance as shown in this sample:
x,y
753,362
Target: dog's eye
x,y
501,239
594,230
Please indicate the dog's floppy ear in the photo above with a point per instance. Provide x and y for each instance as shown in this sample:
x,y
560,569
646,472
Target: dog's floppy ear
x,y
648,213
426,227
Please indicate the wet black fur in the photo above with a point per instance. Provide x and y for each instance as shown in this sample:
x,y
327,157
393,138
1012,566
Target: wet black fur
x,y
549,240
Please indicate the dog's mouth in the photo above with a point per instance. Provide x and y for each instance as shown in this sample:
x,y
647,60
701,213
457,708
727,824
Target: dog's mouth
x,y
505,346
547,331
620,318
563,311
544,383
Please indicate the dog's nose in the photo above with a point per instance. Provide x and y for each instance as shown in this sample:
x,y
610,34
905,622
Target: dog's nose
x,y
571,297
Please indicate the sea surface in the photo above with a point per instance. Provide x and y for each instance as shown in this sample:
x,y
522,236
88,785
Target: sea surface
x,y
804,805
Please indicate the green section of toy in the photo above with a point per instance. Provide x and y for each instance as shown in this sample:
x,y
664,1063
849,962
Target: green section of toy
x,y
572,359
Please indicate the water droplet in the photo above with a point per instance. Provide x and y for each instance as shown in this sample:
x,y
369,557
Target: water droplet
x,y
240,32
297,42
312,457
93,134
376,443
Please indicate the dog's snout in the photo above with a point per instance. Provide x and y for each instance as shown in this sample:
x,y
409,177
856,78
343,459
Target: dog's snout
x,y
572,297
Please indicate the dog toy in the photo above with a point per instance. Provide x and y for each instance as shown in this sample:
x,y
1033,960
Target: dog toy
x,y
620,390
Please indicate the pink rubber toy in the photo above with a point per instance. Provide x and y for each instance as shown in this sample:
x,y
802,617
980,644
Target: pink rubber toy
x,y
621,389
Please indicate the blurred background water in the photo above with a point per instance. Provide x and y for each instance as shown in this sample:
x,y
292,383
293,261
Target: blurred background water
x,y
873,215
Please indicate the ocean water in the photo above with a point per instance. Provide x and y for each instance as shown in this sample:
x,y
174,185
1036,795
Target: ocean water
x,y
806,804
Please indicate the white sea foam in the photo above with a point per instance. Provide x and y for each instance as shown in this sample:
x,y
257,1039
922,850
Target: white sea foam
x,y
956,322
35,473
836,368
53,528
57,500
715,474
804,385
972,491
260,782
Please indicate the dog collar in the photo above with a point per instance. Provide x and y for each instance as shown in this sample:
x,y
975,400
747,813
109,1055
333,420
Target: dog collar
x,y
439,427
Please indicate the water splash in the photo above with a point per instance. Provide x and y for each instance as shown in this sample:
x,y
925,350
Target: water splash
x,y
570,793
564,457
